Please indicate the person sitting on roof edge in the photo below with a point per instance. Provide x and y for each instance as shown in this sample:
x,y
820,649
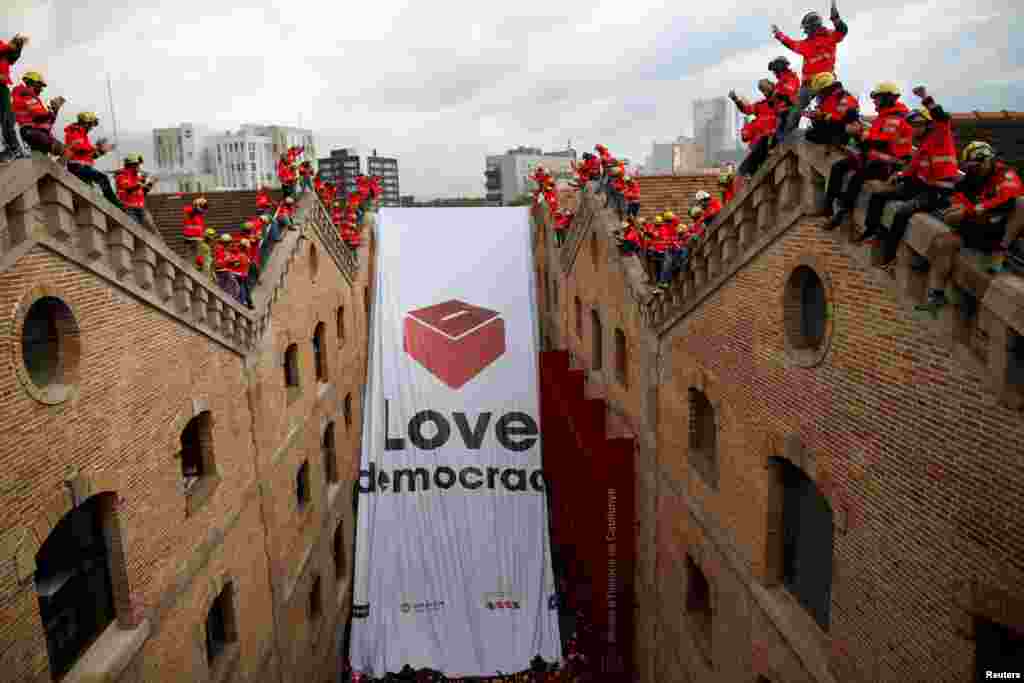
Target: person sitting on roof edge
x,y
35,118
757,133
926,184
676,252
819,52
10,52
837,116
982,203
709,206
82,155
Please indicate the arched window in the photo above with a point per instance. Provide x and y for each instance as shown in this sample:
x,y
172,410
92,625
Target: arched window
x,y
197,450
347,409
221,626
51,350
339,551
319,356
597,335
621,358
807,540
341,325
595,253
703,446
579,317
302,485
698,606
314,262
806,310
74,580
291,365
330,455
315,600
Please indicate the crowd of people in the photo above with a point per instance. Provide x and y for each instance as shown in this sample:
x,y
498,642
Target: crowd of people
x,y
913,151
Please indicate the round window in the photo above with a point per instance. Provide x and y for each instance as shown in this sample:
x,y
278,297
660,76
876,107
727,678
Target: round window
x,y
49,350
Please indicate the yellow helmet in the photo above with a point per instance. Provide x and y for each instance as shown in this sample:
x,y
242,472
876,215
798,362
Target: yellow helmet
x,y
822,81
978,151
33,77
225,237
88,117
886,88
919,116
696,211
133,159
210,232
659,218
245,243
668,215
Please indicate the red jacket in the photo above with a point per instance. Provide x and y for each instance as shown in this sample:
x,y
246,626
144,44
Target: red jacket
x,y
935,160
9,54
285,173
710,210
839,106
786,89
286,211
729,192
818,51
632,191
1002,186
29,110
305,171
220,257
764,122
263,201
254,252
129,188
195,223
79,147
238,261
891,137
318,184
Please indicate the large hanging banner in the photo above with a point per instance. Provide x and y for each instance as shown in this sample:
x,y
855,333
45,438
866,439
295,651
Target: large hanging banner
x,y
453,567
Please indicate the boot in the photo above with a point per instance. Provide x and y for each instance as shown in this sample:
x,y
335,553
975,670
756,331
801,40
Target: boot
x,y
936,300
837,219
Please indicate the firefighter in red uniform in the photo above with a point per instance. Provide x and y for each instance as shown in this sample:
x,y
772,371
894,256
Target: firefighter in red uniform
x,y
727,181
306,176
819,52
194,225
889,145
676,251
10,52
239,267
132,187
35,118
837,116
709,206
787,96
82,155
631,193
318,184
254,231
758,134
982,203
263,201
222,266
286,213
926,183
286,174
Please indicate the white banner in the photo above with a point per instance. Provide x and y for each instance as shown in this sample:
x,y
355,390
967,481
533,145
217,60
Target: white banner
x,y
453,566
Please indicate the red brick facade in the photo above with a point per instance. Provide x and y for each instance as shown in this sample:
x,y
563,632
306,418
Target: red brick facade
x,y
916,455
140,375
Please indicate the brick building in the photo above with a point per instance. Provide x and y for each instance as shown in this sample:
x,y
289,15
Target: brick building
x,y
178,470
827,488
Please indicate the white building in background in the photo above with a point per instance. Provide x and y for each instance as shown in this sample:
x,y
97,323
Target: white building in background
x,y
283,137
681,157
511,171
716,127
247,159
181,160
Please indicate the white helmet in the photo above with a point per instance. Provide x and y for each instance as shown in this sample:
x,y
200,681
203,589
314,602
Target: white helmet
x,y
702,196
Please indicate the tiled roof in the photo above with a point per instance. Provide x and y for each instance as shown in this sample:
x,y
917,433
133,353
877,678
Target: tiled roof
x,y
227,212
673,193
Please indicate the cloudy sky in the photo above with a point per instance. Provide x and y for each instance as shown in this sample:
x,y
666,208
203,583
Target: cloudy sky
x,y
441,85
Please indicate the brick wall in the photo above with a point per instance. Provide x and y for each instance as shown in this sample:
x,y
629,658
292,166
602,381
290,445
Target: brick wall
x,y
142,376
917,458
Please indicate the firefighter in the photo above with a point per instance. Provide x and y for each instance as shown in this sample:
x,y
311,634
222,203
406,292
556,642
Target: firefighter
x,y
727,181
222,266
82,155
758,133
631,194
204,255
194,225
35,118
819,52
982,203
787,95
306,176
132,187
286,213
837,116
888,144
709,206
286,174
926,184
263,201
239,267
676,250
10,52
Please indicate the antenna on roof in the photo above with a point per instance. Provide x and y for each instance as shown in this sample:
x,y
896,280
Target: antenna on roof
x,y
113,119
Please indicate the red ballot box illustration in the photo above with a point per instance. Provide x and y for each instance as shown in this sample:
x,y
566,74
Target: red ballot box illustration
x,y
454,340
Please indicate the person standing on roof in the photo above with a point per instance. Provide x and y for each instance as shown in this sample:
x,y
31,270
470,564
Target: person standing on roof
x,y
194,227
132,187
239,266
10,52
727,181
925,184
787,95
837,116
306,176
35,118
758,133
982,203
889,145
222,266
819,52
204,255
82,155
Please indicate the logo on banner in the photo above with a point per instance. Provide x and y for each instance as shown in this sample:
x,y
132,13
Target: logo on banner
x,y
454,341
422,607
501,601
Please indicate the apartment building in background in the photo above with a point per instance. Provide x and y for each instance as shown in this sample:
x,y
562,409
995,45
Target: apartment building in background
x,y
716,127
507,176
341,168
387,169
181,160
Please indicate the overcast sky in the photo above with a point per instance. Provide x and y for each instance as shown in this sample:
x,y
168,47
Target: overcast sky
x,y
441,85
